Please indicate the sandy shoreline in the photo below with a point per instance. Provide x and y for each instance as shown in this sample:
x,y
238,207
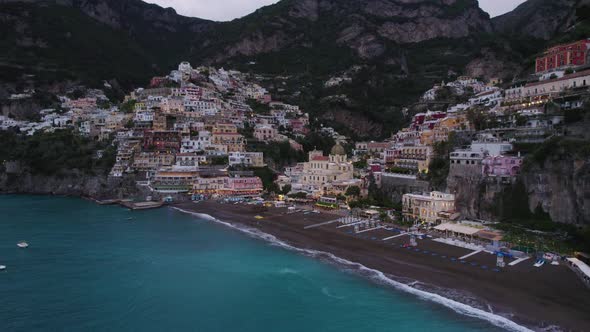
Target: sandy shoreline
x,y
536,298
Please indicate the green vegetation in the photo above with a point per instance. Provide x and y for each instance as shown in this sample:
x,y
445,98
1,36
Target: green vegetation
x,y
268,177
128,106
318,141
218,160
353,191
376,197
280,153
439,167
400,170
258,107
361,164
66,44
57,152
558,147
481,119
299,195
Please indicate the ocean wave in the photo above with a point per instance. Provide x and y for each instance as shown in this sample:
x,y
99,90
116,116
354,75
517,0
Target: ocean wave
x,y
376,275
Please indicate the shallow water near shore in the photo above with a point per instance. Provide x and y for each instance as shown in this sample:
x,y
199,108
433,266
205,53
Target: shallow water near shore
x,y
90,268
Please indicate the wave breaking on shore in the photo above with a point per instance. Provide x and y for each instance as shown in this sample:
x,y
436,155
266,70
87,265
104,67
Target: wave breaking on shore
x,y
376,275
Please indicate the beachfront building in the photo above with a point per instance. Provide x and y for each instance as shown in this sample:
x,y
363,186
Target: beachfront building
x,y
433,208
209,185
325,173
242,187
174,179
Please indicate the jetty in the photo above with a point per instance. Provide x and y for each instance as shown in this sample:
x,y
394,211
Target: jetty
x,y
135,206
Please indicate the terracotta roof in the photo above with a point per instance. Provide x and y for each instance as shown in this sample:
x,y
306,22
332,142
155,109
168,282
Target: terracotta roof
x,y
320,158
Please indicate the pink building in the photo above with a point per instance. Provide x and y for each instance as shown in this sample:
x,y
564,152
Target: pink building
x,y
501,166
265,132
251,186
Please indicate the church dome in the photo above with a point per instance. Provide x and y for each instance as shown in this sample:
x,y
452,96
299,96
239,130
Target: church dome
x,y
338,150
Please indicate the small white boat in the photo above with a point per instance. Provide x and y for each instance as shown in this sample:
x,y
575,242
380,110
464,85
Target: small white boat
x,y
22,244
2,267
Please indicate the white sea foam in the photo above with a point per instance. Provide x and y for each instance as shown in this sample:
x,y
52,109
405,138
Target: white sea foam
x,y
377,275
326,292
288,271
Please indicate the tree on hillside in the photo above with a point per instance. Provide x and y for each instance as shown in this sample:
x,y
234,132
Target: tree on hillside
x,y
353,191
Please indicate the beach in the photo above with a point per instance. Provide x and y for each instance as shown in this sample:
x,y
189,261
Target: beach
x,y
538,298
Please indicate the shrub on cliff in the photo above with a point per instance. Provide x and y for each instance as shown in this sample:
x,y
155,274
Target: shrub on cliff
x,y
52,153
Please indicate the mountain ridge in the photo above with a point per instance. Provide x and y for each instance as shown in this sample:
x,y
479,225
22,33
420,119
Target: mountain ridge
x,y
402,47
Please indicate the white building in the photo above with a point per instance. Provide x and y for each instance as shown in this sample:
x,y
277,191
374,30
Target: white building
x,y
195,144
248,159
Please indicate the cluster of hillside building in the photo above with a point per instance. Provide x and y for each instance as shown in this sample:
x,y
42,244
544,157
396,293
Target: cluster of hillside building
x,y
520,114
190,132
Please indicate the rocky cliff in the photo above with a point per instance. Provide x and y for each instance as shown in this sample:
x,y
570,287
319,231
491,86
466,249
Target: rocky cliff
x,y
369,27
71,184
543,19
555,181
560,185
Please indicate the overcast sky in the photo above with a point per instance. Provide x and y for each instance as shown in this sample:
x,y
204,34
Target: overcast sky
x,y
225,10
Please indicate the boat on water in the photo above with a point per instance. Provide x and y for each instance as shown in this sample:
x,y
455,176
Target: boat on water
x,y
2,267
22,244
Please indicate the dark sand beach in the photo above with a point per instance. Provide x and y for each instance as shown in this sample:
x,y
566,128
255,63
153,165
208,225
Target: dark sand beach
x,y
551,296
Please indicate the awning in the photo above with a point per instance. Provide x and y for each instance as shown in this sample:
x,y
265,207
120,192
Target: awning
x,y
456,228
580,265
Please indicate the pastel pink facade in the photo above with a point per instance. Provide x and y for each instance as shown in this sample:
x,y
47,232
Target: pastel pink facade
x,y
251,186
501,166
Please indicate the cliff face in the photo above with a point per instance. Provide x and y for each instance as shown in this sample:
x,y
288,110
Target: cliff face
x,y
71,184
366,27
562,188
543,19
560,185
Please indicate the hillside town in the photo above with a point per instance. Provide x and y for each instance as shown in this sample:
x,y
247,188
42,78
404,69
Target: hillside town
x,y
196,134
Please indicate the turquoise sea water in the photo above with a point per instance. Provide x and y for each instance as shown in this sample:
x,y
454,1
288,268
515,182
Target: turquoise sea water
x,y
88,268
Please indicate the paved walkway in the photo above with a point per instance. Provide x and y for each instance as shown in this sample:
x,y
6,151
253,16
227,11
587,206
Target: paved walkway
x,y
393,237
353,224
471,254
368,230
322,224
520,260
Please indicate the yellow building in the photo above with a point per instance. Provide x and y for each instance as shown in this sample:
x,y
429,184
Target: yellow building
x,y
326,174
443,128
433,208
227,134
415,157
